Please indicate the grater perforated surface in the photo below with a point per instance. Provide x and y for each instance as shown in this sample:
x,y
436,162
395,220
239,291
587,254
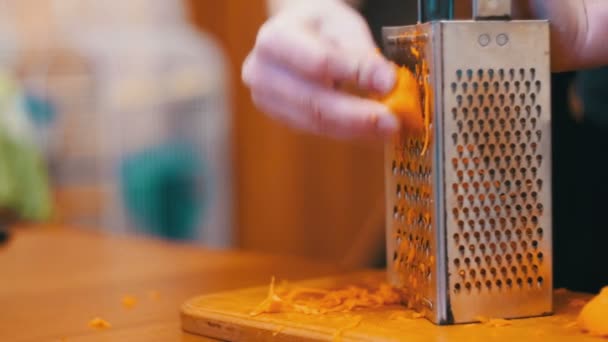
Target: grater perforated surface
x,y
497,168
497,159
411,239
475,208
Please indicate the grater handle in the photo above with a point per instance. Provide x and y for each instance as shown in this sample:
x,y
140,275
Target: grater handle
x,y
492,9
429,10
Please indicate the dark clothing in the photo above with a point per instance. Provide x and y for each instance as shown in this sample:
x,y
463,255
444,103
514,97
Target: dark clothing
x,y
580,193
379,13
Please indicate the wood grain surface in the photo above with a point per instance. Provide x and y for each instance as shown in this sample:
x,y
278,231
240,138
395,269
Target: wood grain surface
x,y
54,280
226,316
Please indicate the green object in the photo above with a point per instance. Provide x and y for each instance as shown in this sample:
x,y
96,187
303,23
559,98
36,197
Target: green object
x,y
24,185
163,190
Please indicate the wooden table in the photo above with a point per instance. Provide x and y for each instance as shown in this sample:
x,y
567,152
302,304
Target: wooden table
x,y
54,280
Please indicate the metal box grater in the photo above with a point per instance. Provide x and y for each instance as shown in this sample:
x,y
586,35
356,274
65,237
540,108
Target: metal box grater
x,y
469,228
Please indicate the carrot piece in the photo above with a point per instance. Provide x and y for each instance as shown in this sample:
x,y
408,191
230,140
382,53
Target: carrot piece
x,y
593,317
404,100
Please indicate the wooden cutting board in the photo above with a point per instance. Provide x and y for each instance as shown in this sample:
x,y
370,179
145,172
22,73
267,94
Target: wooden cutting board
x,y
225,316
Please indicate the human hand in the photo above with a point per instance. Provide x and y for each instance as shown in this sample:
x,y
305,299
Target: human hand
x,y
578,28
302,60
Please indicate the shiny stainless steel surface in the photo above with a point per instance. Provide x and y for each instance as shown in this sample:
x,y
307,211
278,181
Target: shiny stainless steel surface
x,y
469,222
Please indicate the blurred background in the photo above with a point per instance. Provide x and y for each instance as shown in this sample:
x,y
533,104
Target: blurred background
x,y
130,117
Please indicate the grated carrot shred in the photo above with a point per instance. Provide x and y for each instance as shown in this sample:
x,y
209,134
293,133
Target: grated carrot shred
x,y
404,99
129,301
493,322
99,323
312,301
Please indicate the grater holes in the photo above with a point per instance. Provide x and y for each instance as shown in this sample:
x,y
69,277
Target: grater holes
x,y
539,281
512,99
469,74
475,87
469,100
491,74
503,217
501,97
473,273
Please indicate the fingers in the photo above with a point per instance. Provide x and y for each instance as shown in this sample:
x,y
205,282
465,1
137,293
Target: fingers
x,y
300,58
301,51
312,106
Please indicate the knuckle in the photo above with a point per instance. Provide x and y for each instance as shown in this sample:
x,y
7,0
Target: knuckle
x,y
266,35
246,70
365,73
253,76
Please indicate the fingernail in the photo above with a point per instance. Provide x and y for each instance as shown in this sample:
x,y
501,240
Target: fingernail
x,y
384,79
387,123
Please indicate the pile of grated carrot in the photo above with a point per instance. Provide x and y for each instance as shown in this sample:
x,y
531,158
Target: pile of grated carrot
x,y
313,301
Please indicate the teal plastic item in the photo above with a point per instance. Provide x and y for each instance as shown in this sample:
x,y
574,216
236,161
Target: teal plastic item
x,y
430,10
164,190
41,110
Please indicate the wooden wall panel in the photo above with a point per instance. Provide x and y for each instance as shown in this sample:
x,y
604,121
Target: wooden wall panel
x,y
296,193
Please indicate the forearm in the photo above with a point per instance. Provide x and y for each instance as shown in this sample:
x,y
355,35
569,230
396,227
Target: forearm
x,y
591,49
578,30
275,6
